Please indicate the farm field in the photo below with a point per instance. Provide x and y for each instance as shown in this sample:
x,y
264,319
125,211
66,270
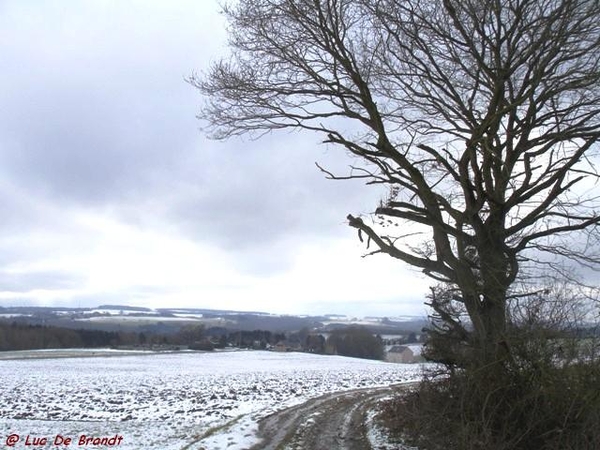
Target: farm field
x,y
169,401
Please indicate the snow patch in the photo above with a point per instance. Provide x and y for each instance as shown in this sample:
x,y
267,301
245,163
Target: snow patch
x,y
172,401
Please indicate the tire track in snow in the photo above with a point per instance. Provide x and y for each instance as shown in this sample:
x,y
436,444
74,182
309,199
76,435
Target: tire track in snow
x,y
332,421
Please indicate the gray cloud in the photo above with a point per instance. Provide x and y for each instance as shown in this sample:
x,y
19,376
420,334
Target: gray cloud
x,y
97,117
25,282
102,125
94,101
253,195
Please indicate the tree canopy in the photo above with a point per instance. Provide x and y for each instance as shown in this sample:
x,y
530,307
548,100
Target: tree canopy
x,y
482,118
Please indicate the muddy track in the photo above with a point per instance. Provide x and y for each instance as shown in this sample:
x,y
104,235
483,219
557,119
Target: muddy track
x,y
331,422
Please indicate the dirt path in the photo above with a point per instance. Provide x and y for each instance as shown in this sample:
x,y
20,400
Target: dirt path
x,y
331,422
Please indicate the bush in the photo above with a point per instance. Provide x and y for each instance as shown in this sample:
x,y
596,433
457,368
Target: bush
x,y
545,397
357,342
204,345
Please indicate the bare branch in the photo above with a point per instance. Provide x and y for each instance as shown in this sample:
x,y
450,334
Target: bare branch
x,y
482,118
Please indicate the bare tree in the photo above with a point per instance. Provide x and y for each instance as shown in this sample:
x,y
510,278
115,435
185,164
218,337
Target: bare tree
x,y
482,117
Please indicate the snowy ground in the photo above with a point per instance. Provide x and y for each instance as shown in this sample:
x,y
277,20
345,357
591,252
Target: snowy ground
x,y
170,401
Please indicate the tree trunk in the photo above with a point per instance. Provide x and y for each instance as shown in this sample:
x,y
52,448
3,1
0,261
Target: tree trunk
x,y
493,343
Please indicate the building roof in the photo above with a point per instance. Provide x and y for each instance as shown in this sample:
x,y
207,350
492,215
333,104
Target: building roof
x,y
416,349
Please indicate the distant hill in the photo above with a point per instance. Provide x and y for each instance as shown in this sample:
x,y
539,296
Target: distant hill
x,y
166,320
124,308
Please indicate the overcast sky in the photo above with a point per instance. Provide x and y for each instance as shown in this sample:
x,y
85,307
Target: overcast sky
x,y
111,193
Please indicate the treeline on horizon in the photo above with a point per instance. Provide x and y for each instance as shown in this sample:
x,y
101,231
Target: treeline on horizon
x,y
352,341
24,336
21,336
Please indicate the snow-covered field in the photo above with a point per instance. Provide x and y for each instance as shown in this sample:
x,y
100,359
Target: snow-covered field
x,y
169,401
